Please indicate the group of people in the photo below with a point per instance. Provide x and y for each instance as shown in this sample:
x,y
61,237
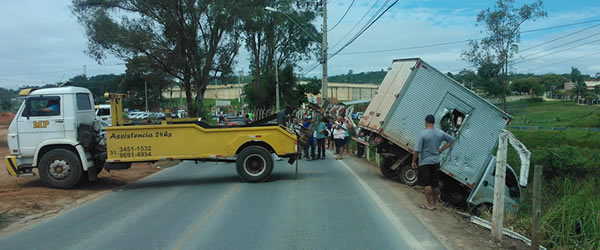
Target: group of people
x,y
329,132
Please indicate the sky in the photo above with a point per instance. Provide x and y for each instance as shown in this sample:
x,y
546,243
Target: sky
x,y
41,41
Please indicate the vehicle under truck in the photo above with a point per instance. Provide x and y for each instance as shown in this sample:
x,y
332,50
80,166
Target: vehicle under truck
x,y
56,131
413,89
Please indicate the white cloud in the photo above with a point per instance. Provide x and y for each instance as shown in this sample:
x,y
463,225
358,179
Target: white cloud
x,y
43,43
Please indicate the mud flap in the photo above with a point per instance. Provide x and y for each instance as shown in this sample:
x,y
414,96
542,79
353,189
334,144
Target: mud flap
x,y
11,165
92,173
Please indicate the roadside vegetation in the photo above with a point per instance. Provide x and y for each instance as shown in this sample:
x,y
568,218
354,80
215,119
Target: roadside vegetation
x,y
571,171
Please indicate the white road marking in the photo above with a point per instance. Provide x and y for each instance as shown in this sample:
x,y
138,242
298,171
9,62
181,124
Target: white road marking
x,y
402,230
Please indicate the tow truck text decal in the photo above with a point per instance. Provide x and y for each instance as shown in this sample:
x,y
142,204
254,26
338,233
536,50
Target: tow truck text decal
x,y
132,151
40,124
133,135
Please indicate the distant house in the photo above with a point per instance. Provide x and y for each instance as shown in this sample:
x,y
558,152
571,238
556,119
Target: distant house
x,y
589,84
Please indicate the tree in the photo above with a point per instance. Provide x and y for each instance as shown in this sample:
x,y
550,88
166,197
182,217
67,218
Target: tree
x,y
191,40
98,84
295,94
503,36
273,39
138,74
467,77
551,82
529,85
578,80
487,76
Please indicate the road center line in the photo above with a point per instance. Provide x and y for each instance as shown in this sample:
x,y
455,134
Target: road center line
x,y
402,230
205,218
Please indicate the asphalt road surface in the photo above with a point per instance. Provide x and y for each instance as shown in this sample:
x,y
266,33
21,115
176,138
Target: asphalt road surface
x,y
332,205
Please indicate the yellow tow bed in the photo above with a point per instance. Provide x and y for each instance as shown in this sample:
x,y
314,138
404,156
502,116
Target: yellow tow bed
x,y
189,141
251,147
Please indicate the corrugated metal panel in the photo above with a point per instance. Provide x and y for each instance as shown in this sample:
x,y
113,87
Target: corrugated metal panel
x,y
386,94
430,92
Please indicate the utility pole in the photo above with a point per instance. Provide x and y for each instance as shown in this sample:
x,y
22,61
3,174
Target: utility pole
x,y
277,87
216,96
85,70
146,93
324,54
241,98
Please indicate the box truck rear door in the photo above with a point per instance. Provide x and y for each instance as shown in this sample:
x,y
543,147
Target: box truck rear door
x,y
386,93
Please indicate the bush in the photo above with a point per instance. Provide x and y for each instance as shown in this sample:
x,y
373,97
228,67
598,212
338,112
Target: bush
x,y
571,205
572,219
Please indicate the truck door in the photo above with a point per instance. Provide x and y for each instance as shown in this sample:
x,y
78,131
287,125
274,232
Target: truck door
x,y
40,120
387,93
484,191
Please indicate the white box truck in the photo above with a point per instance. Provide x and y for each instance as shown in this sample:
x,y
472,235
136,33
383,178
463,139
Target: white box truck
x,y
413,89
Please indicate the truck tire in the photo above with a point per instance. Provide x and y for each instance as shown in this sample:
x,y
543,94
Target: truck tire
x,y
60,168
385,168
408,175
254,164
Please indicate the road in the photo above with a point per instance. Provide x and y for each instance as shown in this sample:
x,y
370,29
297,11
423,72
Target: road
x,y
332,205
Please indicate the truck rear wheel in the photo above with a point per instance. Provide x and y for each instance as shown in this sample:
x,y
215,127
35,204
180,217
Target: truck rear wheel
x,y
385,167
254,164
60,168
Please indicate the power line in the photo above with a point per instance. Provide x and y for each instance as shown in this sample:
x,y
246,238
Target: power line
x,y
462,41
556,52
372,20
572,59
561,37
356,24
339,21
405,48
560,26
363,30
562,45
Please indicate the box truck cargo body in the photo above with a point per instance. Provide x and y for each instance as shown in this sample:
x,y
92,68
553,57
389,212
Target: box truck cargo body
x,y
413,89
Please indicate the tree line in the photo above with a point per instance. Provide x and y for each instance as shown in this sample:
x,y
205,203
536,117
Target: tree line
x,y
196,42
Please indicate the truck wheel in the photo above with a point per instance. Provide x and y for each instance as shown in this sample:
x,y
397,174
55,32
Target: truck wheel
x,y
409,175
254,164
60,168
385,168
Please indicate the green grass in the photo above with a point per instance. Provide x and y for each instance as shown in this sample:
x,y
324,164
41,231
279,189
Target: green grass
x,y
571,161
535,112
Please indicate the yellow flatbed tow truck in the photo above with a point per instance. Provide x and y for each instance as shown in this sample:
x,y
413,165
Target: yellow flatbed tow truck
x,y
55,140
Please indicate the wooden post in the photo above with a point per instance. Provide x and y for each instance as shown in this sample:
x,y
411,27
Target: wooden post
x,y
537,207
368,152
499,182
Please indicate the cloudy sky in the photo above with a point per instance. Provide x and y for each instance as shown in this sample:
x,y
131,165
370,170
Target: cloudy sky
x,y
41,41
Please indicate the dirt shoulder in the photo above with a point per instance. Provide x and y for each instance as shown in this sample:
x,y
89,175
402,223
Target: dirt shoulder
x,y
445,223
26,199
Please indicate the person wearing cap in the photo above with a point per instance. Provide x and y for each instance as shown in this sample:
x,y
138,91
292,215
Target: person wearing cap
x,y
427,150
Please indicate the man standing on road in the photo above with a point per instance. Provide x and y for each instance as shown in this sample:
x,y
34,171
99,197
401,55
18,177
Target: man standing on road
x,y
427,150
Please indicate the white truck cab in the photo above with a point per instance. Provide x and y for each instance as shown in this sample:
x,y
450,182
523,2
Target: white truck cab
x,y
53,131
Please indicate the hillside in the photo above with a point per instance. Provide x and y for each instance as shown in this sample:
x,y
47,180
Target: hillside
x,y
372,77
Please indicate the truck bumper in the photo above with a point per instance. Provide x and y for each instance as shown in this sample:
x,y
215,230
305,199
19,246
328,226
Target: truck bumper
x,y
11,165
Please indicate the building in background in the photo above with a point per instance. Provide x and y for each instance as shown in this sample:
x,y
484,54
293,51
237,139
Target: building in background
x,y
337,92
